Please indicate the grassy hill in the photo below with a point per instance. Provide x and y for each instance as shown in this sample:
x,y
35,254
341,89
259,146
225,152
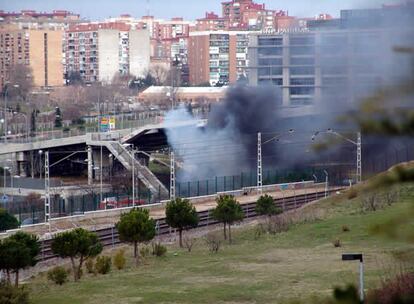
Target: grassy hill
x,y
268,268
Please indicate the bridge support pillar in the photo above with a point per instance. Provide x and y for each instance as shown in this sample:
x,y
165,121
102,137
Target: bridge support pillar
x,y
21,161
90,166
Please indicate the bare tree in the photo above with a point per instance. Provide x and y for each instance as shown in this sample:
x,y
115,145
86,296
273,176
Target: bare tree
x,y
21,78
160,73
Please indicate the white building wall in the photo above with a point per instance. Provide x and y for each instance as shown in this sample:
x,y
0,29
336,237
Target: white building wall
x,y
139,52
108,48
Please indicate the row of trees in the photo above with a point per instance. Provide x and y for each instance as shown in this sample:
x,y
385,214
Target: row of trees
x,y
20,250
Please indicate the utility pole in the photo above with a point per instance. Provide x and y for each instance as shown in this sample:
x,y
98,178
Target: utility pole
x,y
359,158
47,190
5,114
259,163
172,176
133,177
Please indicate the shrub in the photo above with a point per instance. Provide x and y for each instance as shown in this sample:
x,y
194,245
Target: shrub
x,y
397,290
189,243
391,197
213,242
11,294
89,264
337,243
371,202
103,264
158,249
145,251
345,228
119,259
58,275
352,193
7,221
279,224
259,231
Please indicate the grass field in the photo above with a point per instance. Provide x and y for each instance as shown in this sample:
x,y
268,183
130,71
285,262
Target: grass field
x,y
297,264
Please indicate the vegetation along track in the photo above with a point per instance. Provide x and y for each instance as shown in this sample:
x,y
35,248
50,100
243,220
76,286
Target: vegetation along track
x,y
109,236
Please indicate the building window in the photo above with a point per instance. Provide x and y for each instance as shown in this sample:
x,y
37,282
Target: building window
x,y
276,51
301,50
270,41
270,61
302,81
302,71
302,91
302,61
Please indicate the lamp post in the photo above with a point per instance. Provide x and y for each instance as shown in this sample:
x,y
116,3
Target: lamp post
x,y
40,163
326,182
353,257
6,91
357,143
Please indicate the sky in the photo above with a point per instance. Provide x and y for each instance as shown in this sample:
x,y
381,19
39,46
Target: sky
x,y
189,9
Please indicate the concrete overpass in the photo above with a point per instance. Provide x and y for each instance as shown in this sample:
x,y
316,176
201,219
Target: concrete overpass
x,y
85,152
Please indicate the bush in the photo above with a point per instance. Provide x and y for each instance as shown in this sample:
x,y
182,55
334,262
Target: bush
x,y
345,228
397,290
58,275
279,224
371,202
158,249
352,193
89,264
259,230
145,251
213,242
7,221
189,242
103,264
337,243
13,295
119,259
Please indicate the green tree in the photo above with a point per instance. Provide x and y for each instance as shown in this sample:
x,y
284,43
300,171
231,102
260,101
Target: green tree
x,y
136,227
228,211
77,244
7,221
19,251
181,214
266,206
58,118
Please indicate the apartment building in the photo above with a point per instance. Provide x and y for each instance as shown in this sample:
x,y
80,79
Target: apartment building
x,y
98,51
217,57
39,49
338,60
31,19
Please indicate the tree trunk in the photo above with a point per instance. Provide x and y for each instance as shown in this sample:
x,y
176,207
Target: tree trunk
x,y
75,275
225,234
136,253
229,233
80,268
181,237
16,279
8,276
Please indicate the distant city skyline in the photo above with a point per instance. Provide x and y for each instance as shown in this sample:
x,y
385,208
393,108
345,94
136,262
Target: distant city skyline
x,y
191,10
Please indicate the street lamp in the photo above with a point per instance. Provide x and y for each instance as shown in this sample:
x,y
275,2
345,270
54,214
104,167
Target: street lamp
x,y
40,163
6,132
354,257
357,143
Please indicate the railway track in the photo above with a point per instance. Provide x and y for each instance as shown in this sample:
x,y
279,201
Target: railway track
x,y
109,236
